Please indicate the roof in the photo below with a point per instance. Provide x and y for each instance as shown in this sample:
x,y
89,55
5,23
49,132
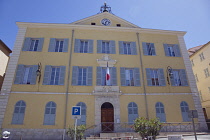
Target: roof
x,y
193,50
5,46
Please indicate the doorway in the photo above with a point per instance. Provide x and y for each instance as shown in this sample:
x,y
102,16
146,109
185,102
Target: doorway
x,y
107,117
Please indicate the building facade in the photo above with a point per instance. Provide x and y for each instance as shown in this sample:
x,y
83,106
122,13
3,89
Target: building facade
x,y
200,59
4,58
57,66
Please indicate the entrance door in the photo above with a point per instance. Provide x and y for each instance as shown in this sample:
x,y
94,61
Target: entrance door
x,y
107,117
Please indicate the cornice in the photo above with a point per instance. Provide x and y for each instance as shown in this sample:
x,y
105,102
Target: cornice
x,y
95,27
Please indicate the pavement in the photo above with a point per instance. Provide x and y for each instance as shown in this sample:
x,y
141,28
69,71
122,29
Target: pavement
x,y
187,136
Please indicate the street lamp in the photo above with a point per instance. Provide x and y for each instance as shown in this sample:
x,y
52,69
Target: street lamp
x,y
169,72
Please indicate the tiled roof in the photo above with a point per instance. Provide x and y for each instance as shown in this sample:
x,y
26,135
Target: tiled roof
x,y
193,50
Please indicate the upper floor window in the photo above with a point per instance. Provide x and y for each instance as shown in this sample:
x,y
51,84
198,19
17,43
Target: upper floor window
x,y
201,57
106,46
19,112
82,76
33,44
206,72
128,48
148,48
101,76
58,45
26,74
192,62
54,75
196,78
179,78
130,76
83,46
172,50
155,77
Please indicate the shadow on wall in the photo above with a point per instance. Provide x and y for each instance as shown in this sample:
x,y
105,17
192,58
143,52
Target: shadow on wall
x,y
1,80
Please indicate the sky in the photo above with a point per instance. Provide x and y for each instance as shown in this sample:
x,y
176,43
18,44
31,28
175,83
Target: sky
x,y
192,16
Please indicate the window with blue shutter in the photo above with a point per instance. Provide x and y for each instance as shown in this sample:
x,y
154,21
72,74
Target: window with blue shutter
x,y
26,74
172,50
106,46
101,76
58,45
19,112
155,77
160,112
128,48
50,113
132,112
130,76
184,110
83,46
179,78
82,121
148,48
33,44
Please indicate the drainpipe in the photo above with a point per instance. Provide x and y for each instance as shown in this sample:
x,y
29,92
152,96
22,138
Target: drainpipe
x,y
68,81
142,73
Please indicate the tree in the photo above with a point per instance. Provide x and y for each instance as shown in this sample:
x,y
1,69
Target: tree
x,y
79,132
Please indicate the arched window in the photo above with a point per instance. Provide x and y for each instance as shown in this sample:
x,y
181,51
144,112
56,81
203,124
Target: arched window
x,y
82,121
19,112
50,113
160,112
184,109
132,112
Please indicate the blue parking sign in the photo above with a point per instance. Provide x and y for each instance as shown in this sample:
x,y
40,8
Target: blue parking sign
x,y
76,110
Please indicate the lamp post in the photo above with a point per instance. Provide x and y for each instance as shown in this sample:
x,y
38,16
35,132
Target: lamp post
x,y
169,72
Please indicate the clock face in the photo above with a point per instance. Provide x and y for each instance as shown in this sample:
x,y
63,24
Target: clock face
x,y
105,22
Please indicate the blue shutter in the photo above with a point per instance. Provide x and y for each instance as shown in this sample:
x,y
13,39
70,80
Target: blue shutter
x,y
121,49
113,76
99,76
19,112
62,75
161,77
89,76
90,46
137,77
40,45
177,50
33,76
112,47
47,75
149,80
77,45
133,48
144,45
132,112
82,121
183,77
19,74
166,49
172,82
122,76
26,44
99,46
65,45
52,45
75,75
153,48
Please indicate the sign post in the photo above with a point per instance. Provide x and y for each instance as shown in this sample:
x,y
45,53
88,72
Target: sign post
x,y
76,114
193,114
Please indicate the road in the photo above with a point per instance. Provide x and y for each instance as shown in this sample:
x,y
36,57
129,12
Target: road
x,y
199,137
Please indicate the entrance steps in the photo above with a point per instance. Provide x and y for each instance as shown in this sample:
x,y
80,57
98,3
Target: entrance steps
x,y
116,136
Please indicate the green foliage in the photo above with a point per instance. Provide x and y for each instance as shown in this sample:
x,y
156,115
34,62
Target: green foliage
x,y
79,132
147,127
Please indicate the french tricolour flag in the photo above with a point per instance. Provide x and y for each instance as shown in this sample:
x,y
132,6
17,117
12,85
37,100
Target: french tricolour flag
x,y
107,75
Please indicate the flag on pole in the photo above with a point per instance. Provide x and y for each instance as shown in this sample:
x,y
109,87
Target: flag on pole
x,y
107,75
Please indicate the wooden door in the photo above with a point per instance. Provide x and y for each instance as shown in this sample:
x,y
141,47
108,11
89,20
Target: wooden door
x,y
107,119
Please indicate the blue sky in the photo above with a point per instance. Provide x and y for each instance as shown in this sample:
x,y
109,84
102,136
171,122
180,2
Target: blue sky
x,y
192,16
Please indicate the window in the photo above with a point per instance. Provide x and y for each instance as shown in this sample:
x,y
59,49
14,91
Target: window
x,y
101,76
132,112
82,121
130,76
155,77
50,113
201,57
172,50
160,112
19,112
82,76
209,89
128,48
83,46
118,25
148,48
184,109
26,74
179,78
92,23
106,46
200,95
54,75
58,45
192,62
196,78
33,44
206,72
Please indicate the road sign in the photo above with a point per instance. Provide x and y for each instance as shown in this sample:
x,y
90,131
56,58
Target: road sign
x,y
76,110
192,114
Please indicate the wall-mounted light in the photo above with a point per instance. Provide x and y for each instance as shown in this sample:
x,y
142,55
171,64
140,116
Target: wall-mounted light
x,y
38,72
169,72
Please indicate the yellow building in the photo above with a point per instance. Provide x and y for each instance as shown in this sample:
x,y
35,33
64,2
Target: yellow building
x,y
200,60
57,66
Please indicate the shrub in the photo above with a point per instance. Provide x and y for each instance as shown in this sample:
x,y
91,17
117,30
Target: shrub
x,y
79,132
